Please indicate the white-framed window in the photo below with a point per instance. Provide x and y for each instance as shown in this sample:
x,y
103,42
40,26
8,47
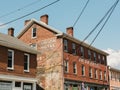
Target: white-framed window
x,y
100,75
74,68
34,32
26,62
89,54
10,64
90,72
83,70
66,66
95,58
65,45
82,51
105,75
73,48
96,74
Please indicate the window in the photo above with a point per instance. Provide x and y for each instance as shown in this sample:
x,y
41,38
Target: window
x,y
34,32
10,59
66,65
73,48
74,68
100,75
82,51
90,72
95,57
96,76
17,84
66,87
105,75
99,58
65,45
104,61
89,54
26,62
83,70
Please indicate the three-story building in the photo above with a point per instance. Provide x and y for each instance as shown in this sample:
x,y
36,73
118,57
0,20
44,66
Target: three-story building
x,y
65,63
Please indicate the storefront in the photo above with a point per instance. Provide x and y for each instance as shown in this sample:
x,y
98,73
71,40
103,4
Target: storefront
x,y
10,82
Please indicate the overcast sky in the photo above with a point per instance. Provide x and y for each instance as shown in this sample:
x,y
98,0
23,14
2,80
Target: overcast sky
x,y
63,14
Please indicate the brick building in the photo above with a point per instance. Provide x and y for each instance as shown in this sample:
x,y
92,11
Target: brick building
x,y
17,64
114,78
66,63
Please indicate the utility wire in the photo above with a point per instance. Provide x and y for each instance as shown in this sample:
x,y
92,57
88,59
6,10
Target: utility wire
x,y
99,22
104,23
26,6
29,13
81,13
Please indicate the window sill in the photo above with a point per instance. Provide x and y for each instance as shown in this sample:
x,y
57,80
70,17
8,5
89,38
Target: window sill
x,y
33,37
27,71
10,68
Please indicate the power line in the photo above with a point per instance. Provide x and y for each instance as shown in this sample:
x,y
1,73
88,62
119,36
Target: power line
x,y
19,9
104,23
99,22
81,13
29,13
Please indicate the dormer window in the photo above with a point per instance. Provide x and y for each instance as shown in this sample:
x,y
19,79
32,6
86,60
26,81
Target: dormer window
x,y
34,32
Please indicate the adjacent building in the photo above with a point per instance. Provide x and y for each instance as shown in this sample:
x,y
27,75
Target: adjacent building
x,y
114,78
17,64
65,63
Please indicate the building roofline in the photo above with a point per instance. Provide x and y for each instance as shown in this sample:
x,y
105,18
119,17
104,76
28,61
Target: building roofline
x,y
113,68
58,33
15,43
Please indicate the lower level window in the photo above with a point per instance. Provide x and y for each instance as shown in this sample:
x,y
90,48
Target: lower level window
x,y
26,62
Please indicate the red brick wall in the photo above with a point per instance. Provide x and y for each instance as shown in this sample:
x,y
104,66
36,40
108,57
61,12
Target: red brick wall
x,y
18,63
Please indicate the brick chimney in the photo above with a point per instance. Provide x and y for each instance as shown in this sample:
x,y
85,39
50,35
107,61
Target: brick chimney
x,y
26,22
69,31
11,31
44,18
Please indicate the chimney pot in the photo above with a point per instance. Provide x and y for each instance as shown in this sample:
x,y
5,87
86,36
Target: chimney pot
x,y
11,31
69,31
44,18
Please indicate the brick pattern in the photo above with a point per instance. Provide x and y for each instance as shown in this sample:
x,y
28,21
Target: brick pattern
x,y
18,63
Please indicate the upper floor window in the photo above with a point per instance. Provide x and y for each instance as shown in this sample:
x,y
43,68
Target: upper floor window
x,y
73,48
105,75
104,60
34,32
89,54
74,68
99,58
66,66
100,75
65,45
26,62
90,72
95,58
10,63
96,75
82,51
83,70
